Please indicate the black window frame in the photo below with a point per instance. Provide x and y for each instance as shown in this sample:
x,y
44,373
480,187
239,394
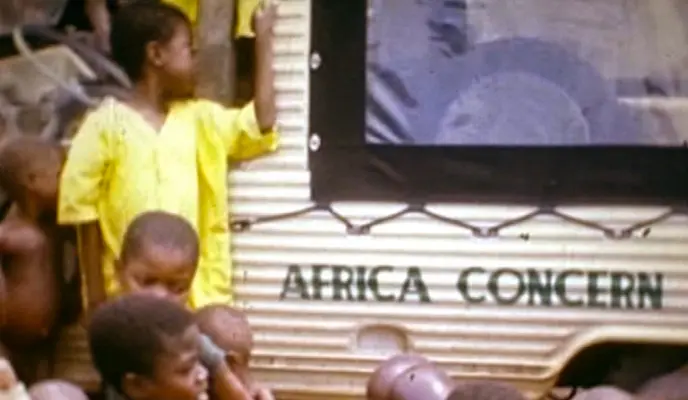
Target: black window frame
x,y
345,168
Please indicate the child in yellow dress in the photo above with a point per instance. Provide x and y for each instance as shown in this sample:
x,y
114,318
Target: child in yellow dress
x,y
162,149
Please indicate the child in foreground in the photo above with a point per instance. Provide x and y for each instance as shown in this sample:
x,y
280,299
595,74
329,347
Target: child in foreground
x,y
146,348
229,329
163,150
32,281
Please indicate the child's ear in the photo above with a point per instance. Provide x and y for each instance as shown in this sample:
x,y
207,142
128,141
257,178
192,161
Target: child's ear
x,y
31,182
136,386
154,54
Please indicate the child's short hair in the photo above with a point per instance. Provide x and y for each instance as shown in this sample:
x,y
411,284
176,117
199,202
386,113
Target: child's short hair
x,y
161,229
23,157
127,335
56,390
485,391
136,25
227,327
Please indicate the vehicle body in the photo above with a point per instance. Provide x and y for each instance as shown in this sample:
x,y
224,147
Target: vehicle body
x,y
546,302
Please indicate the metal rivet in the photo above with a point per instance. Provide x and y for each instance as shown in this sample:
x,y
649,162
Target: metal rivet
x,y
314,142
315,61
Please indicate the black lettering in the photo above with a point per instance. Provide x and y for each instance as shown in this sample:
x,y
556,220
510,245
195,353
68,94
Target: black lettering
x,y
415,280
463,285
294,283
653,290
374,284
622,288
494,288
361,286
537,287
560,288
317,282
594,289
342,279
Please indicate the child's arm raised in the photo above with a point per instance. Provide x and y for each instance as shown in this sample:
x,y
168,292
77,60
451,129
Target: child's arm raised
x,y
81,186
250,132
264,23
225,384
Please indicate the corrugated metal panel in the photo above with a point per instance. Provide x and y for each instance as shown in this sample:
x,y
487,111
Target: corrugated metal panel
x,y
73,359
327,349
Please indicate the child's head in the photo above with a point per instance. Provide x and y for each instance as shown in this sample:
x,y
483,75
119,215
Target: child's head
x,y
56,390
146,348
152,40
159,256
30,170
229,329
478,390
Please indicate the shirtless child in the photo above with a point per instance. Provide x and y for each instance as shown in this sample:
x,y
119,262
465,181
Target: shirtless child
x,y
229,329
30,282
145,348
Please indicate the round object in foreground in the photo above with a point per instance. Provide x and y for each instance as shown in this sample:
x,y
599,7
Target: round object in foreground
x,y
381,382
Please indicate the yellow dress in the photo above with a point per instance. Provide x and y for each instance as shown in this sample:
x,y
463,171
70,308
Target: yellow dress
x,y
244,15
118,166
189,7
